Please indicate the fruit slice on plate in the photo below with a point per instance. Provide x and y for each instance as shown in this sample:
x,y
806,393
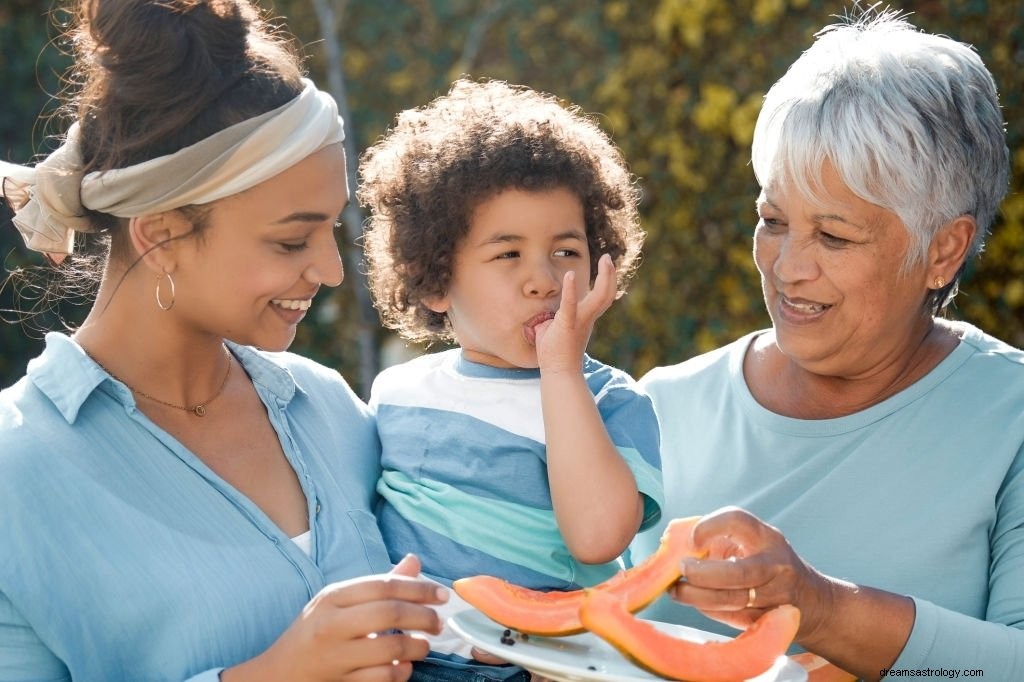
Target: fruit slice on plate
x,y
748,655
554,614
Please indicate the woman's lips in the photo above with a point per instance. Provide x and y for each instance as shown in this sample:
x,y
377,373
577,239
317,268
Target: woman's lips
x,y
293,303
292,310
530,328
801,309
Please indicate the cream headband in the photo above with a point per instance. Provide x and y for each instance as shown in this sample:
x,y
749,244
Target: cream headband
x,y
49,199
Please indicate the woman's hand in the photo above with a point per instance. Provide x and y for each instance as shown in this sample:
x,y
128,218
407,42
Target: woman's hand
x,y
750,568
352,630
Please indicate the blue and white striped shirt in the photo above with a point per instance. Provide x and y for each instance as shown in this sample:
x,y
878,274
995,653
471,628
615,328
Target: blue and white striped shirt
x,y
465,482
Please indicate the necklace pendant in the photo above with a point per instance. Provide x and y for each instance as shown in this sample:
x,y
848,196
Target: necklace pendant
x,y
199,410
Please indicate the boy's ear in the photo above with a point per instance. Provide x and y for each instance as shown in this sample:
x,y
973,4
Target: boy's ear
x,y
950,247
155,238
437,304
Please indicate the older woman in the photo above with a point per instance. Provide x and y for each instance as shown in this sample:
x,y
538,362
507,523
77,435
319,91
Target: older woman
x,y
863,440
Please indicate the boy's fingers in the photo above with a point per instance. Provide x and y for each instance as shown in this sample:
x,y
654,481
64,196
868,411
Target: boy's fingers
x,y
567,306
601,297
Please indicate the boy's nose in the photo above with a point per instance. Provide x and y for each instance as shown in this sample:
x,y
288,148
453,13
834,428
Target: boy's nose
x,y
543,281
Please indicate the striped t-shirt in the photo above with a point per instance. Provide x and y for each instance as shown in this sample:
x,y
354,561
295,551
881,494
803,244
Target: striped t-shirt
x,y
464,482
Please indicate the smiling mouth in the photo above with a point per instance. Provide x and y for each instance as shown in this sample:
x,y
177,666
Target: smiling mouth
x,y
293,303
804,307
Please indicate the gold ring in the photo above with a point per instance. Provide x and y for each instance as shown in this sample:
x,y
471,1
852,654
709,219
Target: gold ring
x,y
751,596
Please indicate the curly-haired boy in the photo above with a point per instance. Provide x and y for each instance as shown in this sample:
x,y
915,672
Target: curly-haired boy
x,y
508,223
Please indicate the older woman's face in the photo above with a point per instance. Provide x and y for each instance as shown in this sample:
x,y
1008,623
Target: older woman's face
x,y
832,281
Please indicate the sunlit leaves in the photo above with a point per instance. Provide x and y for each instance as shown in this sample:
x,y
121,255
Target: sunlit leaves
x,y
677,83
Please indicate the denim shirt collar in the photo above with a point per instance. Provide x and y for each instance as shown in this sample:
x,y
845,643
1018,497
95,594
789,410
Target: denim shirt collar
x,y
68,376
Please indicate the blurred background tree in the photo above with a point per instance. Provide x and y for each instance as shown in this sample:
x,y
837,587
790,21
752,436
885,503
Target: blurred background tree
x,y
677,83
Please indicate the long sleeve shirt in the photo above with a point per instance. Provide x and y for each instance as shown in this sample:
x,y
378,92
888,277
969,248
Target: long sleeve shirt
x,y
124,557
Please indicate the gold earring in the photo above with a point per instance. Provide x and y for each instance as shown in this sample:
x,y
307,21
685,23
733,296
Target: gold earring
x,y
159,302
938,283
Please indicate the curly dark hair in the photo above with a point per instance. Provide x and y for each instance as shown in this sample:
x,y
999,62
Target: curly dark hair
x,y
422,181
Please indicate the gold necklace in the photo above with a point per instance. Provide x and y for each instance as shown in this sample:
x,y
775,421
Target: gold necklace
x,y
199,409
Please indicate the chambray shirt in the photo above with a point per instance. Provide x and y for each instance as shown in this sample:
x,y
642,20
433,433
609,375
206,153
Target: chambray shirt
x,y
123,557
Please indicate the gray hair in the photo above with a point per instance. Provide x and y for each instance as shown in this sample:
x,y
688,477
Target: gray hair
x,y
909,120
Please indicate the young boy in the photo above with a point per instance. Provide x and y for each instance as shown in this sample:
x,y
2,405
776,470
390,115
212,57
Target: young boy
x,y
508,223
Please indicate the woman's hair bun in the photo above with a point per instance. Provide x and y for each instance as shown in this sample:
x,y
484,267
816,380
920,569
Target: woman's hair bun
x,y
157,75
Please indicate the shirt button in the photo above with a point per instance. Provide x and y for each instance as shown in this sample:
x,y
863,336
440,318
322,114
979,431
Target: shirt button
x,y
317,507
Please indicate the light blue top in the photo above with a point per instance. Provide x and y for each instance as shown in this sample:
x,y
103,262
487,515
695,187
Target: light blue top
x,y
465,483
921,494
125,558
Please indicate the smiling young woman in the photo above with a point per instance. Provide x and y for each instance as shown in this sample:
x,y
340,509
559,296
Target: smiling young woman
x,y
181,502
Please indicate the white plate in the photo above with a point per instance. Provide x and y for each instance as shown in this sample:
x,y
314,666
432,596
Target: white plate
x,y
586,657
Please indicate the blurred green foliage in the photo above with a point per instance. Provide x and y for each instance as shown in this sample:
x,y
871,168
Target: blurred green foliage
x,y
677,83
30,68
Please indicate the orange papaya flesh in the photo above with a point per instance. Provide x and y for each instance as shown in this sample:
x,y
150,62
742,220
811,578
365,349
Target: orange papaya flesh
x,y
649,579
554,614
751,653
550,614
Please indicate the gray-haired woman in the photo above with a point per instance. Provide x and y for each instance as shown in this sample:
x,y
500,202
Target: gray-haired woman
x,y
874,453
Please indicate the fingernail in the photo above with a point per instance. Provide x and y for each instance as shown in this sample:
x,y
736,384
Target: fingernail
x,y
442,594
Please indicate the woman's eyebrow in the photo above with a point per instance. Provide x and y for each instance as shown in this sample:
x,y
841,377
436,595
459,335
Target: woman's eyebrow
x,y
304,217
835,217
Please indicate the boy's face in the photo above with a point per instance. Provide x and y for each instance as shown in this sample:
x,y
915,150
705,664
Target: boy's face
x,y
508,273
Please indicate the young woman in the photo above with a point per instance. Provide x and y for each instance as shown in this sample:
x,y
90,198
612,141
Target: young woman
x,y
181,498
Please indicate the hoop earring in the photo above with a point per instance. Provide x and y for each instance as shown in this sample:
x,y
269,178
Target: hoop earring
x,y
159,302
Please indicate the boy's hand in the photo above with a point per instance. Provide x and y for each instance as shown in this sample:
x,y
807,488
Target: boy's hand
x,y
562,341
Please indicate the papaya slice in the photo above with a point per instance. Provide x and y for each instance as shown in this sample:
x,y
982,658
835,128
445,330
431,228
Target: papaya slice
x,y
751,653
554,614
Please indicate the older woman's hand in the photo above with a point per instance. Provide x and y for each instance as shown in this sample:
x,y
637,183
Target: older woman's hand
x,y
353,630
750,568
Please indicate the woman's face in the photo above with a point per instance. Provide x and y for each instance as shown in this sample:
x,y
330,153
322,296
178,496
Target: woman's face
x,y
832,282
251,275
